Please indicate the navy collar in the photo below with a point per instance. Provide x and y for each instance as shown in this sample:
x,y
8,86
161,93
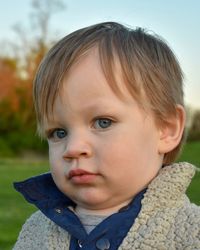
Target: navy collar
x,y
44,194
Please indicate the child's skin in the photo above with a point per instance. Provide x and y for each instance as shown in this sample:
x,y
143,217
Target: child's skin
x,y
115,140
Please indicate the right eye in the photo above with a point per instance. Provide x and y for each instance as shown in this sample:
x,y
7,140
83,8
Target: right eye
x,y
57,134
103,123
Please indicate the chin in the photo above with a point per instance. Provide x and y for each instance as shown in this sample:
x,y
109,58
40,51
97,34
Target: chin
x,y
91,201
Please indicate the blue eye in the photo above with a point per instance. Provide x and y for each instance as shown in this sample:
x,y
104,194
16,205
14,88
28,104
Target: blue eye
x,y
102,123
57,134
60,133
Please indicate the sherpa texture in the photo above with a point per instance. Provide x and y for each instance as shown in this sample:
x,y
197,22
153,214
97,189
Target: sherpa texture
x,y
167,220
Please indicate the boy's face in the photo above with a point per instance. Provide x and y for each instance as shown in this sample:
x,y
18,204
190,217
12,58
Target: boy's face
x,y
103,150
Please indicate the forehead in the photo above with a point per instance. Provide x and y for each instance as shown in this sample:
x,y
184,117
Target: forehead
x,y
87,76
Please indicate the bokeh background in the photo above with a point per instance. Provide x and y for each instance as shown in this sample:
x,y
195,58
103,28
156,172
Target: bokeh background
x,y
28,29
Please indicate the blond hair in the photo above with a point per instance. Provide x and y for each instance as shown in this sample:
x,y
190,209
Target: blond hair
x,y
147,63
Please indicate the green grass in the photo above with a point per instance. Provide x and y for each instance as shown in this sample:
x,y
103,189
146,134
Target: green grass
x,y
14,209
191,153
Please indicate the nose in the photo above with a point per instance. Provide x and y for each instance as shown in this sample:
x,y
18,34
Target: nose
x,y
77,146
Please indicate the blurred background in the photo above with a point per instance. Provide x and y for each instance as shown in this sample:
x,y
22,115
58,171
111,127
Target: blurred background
x,y
28,29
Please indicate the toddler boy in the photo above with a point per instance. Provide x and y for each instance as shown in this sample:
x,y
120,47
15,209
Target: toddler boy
x,y
109,100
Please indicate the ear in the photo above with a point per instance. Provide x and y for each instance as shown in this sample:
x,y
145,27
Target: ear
x,y
171,132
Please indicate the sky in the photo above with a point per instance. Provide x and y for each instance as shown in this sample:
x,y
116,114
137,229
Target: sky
x,y
177,21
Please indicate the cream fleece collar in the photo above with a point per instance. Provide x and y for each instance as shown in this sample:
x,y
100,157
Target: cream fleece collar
x,y
169,185
162,201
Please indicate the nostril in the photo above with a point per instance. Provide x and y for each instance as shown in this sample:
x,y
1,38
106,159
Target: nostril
x,y
84,153
71,158
67,159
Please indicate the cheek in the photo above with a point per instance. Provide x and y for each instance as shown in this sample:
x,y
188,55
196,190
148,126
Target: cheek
x,y
57,168
118,153
123,144
55,160
55,152
128,150
52,159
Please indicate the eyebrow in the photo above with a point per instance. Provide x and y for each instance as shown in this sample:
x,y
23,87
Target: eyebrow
x,y
51,125
99,103
101,107
96,106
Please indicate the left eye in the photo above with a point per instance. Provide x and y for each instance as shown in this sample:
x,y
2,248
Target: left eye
x,y
102,123
60,133
57,134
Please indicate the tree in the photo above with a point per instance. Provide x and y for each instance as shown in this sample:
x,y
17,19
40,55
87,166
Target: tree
x,y
34,45
8,81
17,119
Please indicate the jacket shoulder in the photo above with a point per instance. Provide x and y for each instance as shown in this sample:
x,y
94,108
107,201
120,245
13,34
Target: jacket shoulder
x,y
187,226
39,232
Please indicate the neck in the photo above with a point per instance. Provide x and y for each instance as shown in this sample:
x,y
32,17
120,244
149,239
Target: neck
x,y
104,211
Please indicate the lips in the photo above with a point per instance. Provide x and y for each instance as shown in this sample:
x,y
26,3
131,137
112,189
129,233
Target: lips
x,y
78,172
79,176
